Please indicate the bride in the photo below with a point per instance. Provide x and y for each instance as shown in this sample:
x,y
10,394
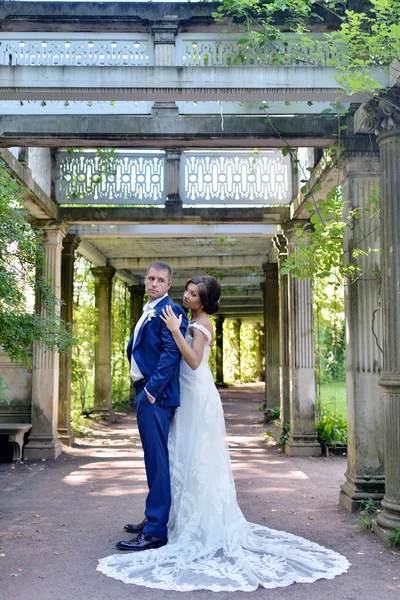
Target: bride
x,y
210,544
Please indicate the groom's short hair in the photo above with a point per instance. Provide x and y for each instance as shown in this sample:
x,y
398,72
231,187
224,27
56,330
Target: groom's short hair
x,y
161,266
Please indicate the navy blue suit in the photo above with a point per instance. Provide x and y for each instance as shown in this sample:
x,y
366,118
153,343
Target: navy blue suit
x,y
158,359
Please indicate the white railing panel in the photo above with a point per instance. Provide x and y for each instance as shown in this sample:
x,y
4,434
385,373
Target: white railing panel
x,y
76,49
120,177
223,50
209,177
73,107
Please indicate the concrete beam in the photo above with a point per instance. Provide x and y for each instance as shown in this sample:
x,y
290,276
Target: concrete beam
x,y
166,131
166,84
91,253
92,214
192,262
37,202
127,277
249,280
155,230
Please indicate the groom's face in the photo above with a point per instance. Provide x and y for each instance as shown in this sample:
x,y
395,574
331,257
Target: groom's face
x,y
156,283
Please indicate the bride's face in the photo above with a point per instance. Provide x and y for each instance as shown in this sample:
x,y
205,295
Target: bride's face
x,y
191,297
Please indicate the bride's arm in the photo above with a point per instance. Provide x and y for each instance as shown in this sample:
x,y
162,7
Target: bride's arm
x,y
192,354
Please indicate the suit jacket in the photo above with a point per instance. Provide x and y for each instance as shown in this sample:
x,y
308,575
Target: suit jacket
x,y
157,355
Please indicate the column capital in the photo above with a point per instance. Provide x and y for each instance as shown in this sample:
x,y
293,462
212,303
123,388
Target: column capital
x,y
55,231
70,244
103,274
383,115
280,242
165,30
137,288
270,270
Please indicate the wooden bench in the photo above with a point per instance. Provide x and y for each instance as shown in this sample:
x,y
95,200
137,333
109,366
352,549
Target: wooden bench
x,y
15,433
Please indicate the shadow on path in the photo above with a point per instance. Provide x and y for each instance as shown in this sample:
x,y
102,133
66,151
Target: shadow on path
x,y
58,518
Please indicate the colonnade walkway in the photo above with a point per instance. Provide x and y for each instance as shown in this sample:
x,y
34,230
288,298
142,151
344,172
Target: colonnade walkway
x,y
59,517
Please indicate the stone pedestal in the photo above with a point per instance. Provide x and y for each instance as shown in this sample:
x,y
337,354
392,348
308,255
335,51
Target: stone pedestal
x,y
70,244
43,439
103,277
164,32
219,355
271,328
365,422
303,438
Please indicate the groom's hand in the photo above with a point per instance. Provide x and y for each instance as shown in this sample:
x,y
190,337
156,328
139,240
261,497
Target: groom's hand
x,y
150,398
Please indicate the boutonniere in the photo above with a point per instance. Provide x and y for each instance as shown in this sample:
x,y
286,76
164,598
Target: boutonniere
x,y
152,313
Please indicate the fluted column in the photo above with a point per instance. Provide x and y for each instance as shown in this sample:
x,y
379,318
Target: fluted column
x,y
70,244
219,329
365,422
303,438
384,119
271,328
173,161
284,371
136,303
43,439
103,277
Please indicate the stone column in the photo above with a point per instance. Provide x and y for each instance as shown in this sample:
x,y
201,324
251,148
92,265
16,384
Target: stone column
x,y
70,244
284,371
238,369
260,353
43,439
172,165
365,424
384,118
219,328
303,438
103,277
271,325
136,295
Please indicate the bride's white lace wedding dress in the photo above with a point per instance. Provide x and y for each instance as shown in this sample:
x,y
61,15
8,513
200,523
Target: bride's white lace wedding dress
x,y
210,544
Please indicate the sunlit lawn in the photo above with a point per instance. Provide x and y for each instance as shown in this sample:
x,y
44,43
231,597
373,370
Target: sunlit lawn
x,y
333,396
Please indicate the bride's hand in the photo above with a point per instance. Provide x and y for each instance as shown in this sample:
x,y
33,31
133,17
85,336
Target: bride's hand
x,y
170,319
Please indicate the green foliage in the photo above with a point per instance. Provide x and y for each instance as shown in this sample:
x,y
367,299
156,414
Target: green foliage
x,y
85,316
368,510
22,277
331,428
393,538
319,247
240,360
121,331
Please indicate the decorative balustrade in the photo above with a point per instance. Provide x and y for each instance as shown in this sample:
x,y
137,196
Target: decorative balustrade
x,y
73,107
206,177
208,50
236,177
72,49
116,177
137,49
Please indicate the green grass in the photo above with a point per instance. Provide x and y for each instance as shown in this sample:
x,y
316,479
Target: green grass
x,y
333,396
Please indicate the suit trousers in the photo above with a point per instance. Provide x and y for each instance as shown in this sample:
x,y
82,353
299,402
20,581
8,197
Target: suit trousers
x,y
154,421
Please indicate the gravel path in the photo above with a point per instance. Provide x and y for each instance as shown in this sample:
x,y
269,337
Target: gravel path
x,y
58,518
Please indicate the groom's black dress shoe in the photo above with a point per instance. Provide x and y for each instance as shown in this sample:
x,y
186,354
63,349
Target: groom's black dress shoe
x,y
142,542
131,528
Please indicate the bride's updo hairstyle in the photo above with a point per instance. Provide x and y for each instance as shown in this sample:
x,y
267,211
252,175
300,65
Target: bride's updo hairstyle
x,y
209,292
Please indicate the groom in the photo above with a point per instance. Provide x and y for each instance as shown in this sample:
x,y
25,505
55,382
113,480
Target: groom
x,y
155,359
